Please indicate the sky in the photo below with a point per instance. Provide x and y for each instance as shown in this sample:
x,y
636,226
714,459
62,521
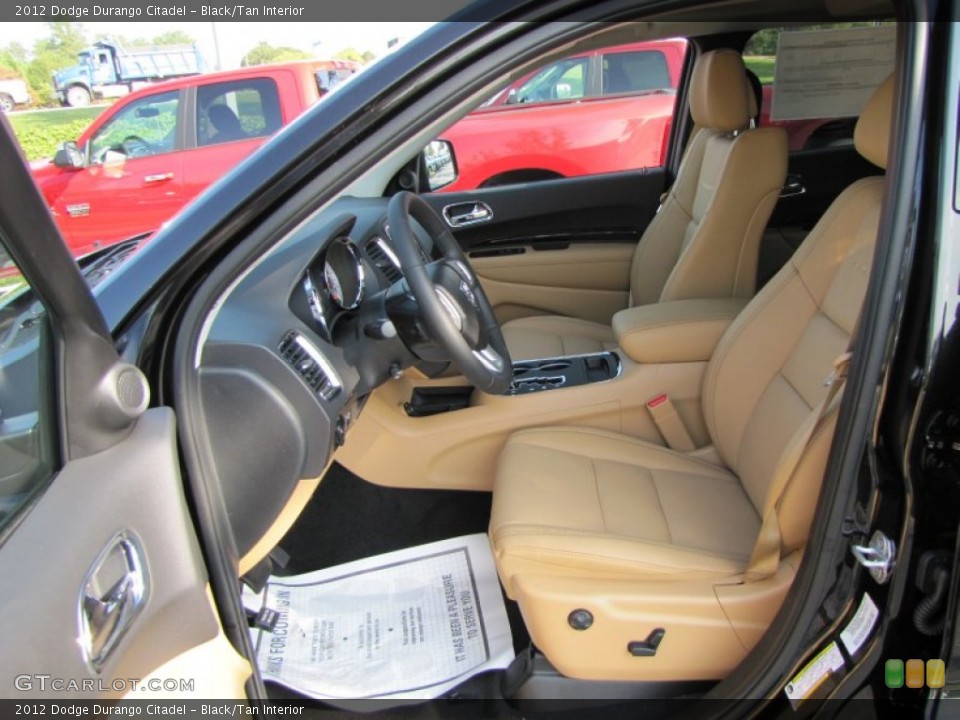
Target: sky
x,y
235,39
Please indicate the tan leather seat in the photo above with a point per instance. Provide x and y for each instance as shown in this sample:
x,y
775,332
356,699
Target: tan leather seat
x,y
704,241
573,503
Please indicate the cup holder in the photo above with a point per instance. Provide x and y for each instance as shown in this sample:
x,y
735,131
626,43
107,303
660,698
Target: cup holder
x,y
531,376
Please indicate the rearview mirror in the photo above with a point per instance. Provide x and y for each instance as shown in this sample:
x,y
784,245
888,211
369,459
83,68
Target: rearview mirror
x,y
439,162
147,112
68,156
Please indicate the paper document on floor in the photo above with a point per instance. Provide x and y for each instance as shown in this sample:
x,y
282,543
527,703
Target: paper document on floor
x,y
409,624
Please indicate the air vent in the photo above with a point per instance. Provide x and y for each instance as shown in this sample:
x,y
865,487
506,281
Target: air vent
x,y
384,259
311,365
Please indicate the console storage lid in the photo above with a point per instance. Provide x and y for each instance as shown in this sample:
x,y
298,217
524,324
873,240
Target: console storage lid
x,y
676,331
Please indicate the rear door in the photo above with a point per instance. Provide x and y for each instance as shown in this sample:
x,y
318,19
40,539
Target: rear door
x,y
228,121
105,591
543,243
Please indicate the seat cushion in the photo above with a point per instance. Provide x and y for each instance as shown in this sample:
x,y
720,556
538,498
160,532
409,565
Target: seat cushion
x,y
582,502
551,336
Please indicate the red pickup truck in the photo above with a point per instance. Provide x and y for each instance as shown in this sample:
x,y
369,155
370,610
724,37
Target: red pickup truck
x,y
153,151
596,112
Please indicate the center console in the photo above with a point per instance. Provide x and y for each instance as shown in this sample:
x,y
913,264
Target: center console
x,y
530,376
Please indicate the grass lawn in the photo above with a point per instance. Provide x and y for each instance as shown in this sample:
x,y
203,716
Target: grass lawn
x,y
40,133
762,65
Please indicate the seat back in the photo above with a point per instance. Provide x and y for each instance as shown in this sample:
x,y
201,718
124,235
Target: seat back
x,y
704,241
226,123
767,374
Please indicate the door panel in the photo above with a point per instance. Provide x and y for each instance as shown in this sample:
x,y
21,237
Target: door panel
x,y
589,281
103,577
558,246
615,207
133,488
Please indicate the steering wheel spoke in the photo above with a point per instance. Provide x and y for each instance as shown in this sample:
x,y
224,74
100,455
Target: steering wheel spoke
x,y
451,304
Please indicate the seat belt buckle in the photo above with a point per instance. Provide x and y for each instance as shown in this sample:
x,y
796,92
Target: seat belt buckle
x,y
670,424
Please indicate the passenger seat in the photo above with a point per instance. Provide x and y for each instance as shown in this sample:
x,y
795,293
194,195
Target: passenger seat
x,y
704,241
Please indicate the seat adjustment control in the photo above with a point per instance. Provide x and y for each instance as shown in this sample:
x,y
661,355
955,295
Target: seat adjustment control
x,y
648,647
580,619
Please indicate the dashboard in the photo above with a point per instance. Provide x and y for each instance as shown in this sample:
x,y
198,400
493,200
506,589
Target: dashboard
x,y
292,353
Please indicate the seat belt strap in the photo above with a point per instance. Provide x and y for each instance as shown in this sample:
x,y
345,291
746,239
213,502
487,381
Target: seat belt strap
x,y
765,558
670,424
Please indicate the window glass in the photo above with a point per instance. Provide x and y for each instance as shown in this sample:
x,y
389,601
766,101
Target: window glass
x,y
829,66
143,128
565,80
237,111
592,113
327,80
635,72
26,450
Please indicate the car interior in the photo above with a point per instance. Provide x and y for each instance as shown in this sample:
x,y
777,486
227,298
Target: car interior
x,y
629,382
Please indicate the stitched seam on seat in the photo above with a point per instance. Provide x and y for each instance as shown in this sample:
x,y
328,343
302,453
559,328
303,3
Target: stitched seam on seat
x,y
538,552
596,489
624,441
663,512
550,530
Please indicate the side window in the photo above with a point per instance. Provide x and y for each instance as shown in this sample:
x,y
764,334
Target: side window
x,y
633,72
27,454
237,110
815,79
143,128
564,80
606,111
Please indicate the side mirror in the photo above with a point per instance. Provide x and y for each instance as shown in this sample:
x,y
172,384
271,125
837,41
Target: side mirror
x,y
69,156
439,161
513,97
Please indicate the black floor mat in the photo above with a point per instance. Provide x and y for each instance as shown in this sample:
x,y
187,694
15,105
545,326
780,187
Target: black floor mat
x,y
349,519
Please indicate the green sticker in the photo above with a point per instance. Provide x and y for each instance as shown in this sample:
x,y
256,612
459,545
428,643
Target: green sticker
x,y
893,673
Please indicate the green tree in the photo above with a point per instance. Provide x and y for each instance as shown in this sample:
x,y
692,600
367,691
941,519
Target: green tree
x,y
174,37
13,60
56,51
355,55
265,53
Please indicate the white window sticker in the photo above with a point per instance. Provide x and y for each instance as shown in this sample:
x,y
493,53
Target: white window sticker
x,y
817,671
830,73
860,628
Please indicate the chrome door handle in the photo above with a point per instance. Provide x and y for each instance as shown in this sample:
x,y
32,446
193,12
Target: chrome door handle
x,y
466,214
793,186
114,592
158,178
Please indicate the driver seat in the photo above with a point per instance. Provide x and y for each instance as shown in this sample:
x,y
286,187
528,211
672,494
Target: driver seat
x,y
604,540
704,240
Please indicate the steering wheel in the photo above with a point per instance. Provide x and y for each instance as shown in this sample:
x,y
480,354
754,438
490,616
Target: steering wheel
x,y
135,146
453,308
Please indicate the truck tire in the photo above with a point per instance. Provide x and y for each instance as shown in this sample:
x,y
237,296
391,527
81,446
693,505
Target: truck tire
x,y
6,102
78,96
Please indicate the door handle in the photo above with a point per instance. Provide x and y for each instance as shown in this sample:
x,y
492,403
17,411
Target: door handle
x,y
466,214
793,186
114,592
158,178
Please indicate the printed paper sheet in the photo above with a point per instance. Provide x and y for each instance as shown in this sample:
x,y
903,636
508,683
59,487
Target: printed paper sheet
x,y
406,625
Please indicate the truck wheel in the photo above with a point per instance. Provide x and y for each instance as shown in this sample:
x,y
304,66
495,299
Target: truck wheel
x,y
6,102
78,96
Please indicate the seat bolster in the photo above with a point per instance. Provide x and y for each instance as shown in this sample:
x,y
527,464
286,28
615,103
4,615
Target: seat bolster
x,y
549,336
536,550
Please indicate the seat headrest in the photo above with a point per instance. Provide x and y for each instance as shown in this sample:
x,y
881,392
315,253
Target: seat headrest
x,y
872,134
719,96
